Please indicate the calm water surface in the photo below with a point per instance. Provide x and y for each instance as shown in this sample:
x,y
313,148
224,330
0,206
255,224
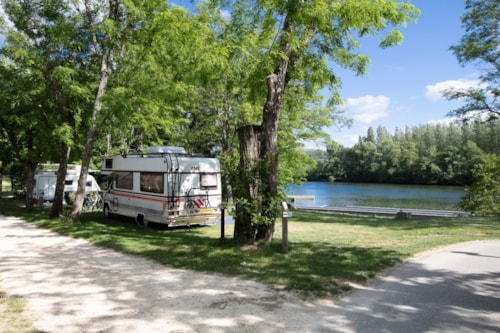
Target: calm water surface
x,y
378,195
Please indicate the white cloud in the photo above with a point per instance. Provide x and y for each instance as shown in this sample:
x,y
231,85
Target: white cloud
x,y
4,18
349,140
434,92
367,109
226,14
444,121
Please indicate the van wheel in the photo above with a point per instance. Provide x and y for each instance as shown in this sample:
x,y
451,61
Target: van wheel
x,y
140,220
107,213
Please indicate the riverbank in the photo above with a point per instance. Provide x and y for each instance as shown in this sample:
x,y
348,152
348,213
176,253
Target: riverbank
x,y
382,211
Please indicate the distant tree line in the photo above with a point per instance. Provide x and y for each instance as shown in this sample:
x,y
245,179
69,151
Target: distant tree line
x,y
429,154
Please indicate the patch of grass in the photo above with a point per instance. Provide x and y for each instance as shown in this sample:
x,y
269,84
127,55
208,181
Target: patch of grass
x,y
327,251
13,318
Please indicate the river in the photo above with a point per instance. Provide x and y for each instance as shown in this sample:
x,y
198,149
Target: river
x,y
378,195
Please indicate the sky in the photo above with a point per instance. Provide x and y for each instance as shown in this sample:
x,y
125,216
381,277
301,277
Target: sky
x,y
403,84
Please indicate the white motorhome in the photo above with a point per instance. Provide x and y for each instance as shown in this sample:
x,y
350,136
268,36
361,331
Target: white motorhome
x,y
165,185
45,183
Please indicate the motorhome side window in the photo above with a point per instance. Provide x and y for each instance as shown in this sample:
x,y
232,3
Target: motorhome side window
x,y
152,182
109,163
208,181
70,182
124,180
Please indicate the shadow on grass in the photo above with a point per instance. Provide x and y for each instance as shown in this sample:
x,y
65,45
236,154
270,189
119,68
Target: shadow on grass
x,y
312,268
317,268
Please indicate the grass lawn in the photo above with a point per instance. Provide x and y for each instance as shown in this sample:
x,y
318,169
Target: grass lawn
x,y
13,319
327,252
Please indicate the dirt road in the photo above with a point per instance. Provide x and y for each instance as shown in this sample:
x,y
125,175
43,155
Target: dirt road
x,y
76,287
72,286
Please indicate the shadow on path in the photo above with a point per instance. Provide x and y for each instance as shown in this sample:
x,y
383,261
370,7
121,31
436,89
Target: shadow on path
x,y
77,287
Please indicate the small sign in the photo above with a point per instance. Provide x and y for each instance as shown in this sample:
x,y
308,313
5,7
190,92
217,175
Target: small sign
x,y
287,214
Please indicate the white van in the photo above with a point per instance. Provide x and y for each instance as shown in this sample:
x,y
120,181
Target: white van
x,y
45,183
165,185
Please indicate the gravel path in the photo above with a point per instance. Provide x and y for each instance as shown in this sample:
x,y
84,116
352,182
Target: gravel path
x,y
72,286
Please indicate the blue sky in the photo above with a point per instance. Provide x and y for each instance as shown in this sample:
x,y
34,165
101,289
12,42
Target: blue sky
x,y
403,83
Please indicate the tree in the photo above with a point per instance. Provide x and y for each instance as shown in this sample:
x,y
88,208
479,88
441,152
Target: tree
x,y
113,28
11,146
23,122
479,44
483,196
306,33
49,40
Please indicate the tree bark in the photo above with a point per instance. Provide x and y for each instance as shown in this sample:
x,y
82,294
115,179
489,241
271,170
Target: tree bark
x,y
267,158
106,61
93,131
269,151
30,169
57,206
248,189
107,58
256,215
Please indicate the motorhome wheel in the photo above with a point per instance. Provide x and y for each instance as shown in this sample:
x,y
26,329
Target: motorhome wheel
x,y
140,220
106,211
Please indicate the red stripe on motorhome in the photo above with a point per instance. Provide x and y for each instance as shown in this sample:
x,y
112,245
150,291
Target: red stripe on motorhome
x,y
145,197
198,203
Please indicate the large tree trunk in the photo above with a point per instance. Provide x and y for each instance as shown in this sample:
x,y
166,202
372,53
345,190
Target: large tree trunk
x,y
1,181
247,192
107,59
93,131
257,207
57,206
30,169
76,209
267,159
269,151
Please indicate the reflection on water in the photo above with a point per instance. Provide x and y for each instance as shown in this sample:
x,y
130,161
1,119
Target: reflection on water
x,y
378,195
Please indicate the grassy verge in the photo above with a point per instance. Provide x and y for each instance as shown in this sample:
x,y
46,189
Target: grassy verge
x,y
13,318
327,252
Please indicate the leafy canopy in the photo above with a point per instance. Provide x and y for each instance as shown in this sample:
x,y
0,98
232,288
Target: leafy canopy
x,y
479,44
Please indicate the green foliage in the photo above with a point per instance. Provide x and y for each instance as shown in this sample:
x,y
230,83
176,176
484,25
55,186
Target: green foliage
x,y
479,44
51,43
483,196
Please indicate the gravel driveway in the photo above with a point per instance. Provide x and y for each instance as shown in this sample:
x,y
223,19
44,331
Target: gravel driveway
x,y
72,286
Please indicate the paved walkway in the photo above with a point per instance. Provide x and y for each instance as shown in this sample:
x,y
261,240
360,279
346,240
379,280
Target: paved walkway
x,y
72,286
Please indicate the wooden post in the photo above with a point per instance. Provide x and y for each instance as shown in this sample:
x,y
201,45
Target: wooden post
x,y
222,226
285,226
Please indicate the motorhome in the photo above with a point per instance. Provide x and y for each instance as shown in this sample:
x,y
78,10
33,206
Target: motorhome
x,y
45,183
164,185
